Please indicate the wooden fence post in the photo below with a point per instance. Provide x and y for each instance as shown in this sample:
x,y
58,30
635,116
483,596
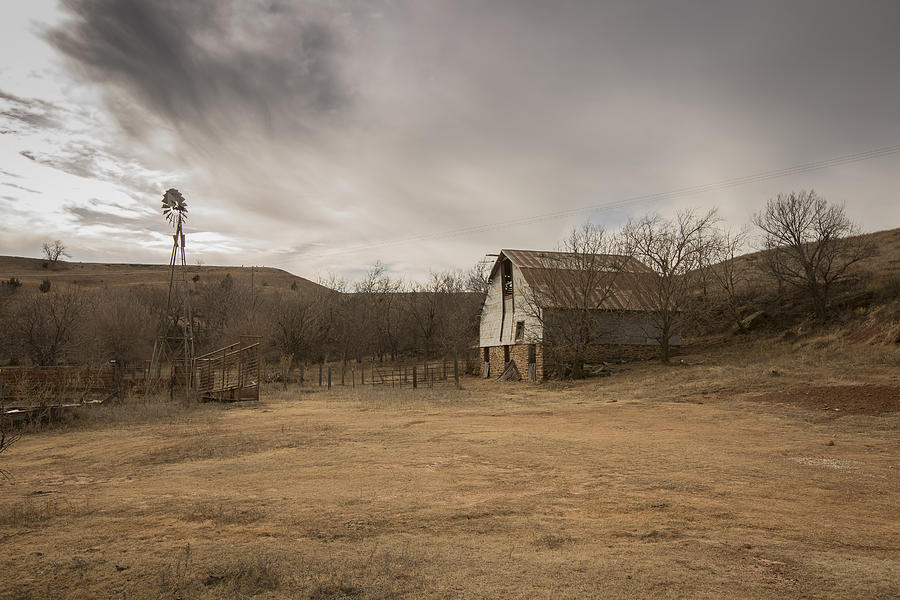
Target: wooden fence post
x,y
329,377
224,372
320,374
240,382
415,383
258,360
343,369
456,370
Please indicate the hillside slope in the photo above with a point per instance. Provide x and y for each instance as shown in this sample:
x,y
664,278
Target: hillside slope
x,y
886,260
32,271
863,308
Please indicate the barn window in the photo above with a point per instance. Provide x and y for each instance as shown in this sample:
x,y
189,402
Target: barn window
x,y
520,331
507,278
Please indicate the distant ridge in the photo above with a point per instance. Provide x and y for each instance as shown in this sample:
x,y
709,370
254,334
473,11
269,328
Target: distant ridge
x,y
31,272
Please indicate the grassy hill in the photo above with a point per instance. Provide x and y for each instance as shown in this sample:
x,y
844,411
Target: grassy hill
x,y
885,263
864,308
32,271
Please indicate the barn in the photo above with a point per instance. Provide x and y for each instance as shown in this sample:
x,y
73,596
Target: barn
x,y
539,304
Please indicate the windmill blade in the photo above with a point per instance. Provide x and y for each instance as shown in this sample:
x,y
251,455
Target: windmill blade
x,y
173,204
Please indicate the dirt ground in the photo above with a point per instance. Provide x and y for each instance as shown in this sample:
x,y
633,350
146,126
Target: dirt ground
x,y
711,479
853,399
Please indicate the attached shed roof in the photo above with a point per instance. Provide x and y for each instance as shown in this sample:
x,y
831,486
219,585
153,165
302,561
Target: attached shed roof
x,y
561,289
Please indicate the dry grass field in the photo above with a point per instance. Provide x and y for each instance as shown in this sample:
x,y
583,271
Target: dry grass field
x,y
728,476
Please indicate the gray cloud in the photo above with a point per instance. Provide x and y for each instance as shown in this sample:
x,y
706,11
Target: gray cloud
x,y
32,119
205,67
73,159
303,128
29,102
91,161
85,215
30,112
20,187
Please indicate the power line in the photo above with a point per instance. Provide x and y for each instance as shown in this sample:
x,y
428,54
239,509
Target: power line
x,y
657,196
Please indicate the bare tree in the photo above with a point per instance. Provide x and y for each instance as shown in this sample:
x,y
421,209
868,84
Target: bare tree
x,y
220,306
297,327
54,250
123,331
571,297
478,278
442,314
380,294
673,250
47,324
459,307
810,244
422,305
728,274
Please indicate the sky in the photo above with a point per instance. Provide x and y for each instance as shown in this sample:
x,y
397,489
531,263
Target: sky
x,y
322,136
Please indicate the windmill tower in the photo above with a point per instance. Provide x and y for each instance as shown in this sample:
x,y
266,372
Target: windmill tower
x,y
175,337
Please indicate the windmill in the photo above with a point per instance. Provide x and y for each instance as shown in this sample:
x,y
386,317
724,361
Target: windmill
x,y
176,332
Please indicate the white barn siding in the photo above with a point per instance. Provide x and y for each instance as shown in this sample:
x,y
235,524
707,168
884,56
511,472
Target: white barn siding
x,y
509,320
524,311
491,315
499,316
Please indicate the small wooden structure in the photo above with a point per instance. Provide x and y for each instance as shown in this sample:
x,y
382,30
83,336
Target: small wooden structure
x,y
231,373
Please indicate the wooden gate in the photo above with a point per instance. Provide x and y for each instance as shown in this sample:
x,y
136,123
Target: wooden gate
x,y
230,373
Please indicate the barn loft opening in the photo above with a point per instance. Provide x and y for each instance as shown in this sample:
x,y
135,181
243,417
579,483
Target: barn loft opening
x,y
520,331
507,278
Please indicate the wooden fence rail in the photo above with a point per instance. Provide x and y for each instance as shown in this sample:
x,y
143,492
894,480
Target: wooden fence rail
x,y
31,388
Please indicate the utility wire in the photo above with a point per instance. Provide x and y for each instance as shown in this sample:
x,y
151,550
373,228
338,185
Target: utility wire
x,y
655,197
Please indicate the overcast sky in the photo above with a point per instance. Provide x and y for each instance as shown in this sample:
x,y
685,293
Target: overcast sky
x,y
320,136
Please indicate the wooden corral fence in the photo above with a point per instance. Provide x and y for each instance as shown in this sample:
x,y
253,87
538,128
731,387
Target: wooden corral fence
x,y
230,373
29,392
409,374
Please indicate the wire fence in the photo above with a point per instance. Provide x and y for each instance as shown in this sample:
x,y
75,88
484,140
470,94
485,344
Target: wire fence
x,y
412,374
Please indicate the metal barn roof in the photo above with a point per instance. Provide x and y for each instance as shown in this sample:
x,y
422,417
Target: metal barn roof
x,y
559,278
